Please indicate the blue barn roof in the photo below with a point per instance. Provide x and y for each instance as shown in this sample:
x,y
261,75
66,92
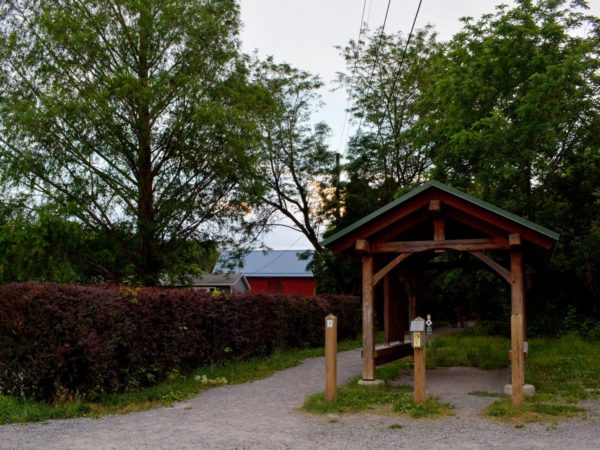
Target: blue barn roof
x,y
271,263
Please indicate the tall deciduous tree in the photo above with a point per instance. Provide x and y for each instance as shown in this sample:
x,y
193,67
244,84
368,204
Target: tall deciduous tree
x,y
297,166
386,77
514,101
513,116
135,114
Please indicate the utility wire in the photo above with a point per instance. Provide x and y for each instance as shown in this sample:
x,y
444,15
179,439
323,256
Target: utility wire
x,y
369,86
412,28
398,72
352,79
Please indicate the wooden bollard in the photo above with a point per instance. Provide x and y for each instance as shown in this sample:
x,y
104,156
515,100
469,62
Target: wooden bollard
x,y
417,329
330,357
419,375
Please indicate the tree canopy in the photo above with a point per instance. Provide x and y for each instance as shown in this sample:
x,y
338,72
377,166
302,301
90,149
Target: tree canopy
x,y
132,115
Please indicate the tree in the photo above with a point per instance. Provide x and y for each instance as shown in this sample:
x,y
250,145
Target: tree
x,y
297,168
512,115
134,115
386,78
513,101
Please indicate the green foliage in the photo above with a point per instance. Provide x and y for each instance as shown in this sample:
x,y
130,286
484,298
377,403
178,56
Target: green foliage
x,y
512,115
507,110
386,79
567,366
46,245
14,410
131,115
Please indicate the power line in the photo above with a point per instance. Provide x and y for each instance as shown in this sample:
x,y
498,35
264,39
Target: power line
x,y
402,59
352,79
412,28
376,58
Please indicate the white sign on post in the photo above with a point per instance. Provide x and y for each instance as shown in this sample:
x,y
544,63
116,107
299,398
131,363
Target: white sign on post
x,y
329,323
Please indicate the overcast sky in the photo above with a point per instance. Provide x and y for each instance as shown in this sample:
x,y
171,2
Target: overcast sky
x,y
304,33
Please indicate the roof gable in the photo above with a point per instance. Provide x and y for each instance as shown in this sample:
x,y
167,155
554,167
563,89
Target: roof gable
x,y
271,263
409,204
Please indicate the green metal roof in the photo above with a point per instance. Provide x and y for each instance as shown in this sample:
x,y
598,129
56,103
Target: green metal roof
x,y
455,192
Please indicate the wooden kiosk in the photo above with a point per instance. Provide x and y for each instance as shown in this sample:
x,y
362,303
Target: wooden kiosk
x,y
397,240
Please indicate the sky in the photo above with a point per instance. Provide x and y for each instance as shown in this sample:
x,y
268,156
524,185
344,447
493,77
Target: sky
x,y
305,33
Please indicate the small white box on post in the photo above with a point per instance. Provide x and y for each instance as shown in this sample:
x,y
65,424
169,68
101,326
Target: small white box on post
x,y
330,357
417,330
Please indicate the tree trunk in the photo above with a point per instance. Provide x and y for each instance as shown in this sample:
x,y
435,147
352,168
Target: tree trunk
x,y
148,267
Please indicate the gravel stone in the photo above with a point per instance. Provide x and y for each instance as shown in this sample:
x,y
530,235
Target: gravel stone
x,y
264,415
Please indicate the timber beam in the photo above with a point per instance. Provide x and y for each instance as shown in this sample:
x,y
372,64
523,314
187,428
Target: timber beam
x,y
388,267
504,273
363,247
386,354
468,245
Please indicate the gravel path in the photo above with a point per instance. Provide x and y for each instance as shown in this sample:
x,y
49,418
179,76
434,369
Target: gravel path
x,y
264,415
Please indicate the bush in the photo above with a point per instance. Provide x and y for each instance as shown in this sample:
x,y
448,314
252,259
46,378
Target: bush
x,y
62,341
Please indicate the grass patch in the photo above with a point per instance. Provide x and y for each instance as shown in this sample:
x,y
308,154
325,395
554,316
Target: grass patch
x,y
466,350
568,367
564,371
353,398
178,388
539,408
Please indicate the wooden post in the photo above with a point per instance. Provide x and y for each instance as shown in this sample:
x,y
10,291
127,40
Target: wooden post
x,y
386,310
330,357
393,316
419,375
368,372
412,296
516,322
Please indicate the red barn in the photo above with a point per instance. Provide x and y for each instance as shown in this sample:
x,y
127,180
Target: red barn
x,y
274,271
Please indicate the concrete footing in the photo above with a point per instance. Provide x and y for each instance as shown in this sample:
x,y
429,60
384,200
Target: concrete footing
x,y
528,389
372,384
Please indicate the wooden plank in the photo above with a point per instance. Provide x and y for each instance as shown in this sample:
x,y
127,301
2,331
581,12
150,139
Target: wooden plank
x,y
368,372
451,244
391,353
388,267
493,265
435,206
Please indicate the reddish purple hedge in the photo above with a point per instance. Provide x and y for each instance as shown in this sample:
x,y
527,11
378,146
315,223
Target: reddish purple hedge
x,y
61,340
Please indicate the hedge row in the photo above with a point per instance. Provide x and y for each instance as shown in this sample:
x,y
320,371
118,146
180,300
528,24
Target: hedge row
x,y
58,341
